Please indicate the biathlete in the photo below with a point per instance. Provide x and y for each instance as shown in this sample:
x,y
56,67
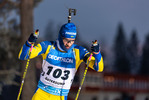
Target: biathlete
x,y
61,59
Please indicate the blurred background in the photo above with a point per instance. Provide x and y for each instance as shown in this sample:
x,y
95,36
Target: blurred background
x,y
120,26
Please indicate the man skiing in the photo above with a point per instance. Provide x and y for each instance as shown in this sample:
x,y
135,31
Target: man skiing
x,y
61,59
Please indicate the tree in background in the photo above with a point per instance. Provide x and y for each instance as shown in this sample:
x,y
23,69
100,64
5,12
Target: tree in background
x,y
10,26
144,69
26,17
133,53
7,23
122,63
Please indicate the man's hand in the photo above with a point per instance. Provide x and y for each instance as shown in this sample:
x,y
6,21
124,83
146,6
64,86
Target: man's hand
x,y
95,47
33,37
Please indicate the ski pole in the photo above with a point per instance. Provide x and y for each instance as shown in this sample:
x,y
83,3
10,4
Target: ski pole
x,y
25,71
71,11
82,81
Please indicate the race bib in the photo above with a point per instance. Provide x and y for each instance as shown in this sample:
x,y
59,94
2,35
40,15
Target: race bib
x,y
58,77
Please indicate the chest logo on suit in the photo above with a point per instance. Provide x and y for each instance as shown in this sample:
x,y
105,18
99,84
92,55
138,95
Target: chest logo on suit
x,y
62,59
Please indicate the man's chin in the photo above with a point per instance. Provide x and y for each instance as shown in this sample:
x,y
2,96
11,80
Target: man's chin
x,y
67,47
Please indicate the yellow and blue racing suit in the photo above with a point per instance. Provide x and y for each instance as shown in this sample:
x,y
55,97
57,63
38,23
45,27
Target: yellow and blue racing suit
x,y
58,68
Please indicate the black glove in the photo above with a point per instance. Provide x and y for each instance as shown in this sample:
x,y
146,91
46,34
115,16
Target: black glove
x,y
95,47
33,37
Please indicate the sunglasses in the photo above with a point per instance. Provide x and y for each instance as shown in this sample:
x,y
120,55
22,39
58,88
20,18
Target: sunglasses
x,y
68,41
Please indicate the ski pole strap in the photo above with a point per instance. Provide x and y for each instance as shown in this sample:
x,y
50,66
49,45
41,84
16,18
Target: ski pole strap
x,y
90,57
31,48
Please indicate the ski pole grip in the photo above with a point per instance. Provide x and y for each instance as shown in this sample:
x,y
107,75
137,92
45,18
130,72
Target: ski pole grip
x,y
36,34
31,47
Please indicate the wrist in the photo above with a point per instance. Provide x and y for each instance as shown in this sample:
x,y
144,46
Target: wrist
x,y
96,52
28,43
